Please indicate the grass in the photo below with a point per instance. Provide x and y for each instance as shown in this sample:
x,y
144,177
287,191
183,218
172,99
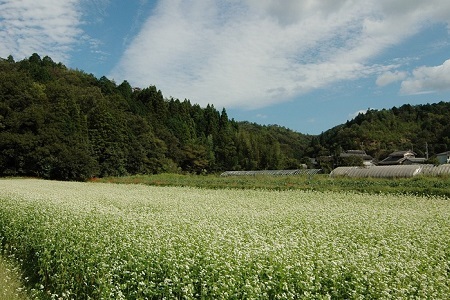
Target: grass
x,y
11,285
420,185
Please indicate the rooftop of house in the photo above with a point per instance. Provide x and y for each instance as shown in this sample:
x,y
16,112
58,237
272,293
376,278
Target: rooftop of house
x,y
359,153
402,153
402,157
443,153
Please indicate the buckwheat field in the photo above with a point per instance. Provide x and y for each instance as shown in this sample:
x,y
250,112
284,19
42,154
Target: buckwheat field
x,y
110,241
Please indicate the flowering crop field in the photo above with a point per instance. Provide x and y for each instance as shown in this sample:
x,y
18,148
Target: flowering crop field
x,y
108,241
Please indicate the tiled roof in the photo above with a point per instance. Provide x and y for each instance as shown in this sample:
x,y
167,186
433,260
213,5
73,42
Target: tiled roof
x,y
357,153
391,160
443,153
402,153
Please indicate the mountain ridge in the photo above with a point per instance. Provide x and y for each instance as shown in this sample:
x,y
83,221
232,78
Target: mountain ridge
x,y
60,123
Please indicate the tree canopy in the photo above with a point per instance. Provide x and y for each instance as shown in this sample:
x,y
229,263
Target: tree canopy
x,y
420,128
60,123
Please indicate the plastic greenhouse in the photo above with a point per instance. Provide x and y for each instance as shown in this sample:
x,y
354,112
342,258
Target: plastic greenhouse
x,y
391,171
436,170
273,172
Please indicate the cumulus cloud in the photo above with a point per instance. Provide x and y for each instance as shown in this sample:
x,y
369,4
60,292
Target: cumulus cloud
x,y
255,53
49,27
428,80
390,77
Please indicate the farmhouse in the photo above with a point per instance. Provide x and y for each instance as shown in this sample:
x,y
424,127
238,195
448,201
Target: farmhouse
x,y
444,157
402,158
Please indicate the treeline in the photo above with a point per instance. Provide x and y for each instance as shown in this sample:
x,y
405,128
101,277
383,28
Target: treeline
x,y
61,123
421,128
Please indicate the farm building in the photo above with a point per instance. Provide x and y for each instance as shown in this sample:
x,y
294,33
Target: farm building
x,y
402,158
273,172
391,171
444,157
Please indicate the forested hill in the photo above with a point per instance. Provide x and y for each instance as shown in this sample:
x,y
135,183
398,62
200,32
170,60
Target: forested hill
x,y
61,123
380,132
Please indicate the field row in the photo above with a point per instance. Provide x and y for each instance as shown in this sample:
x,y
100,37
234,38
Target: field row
x,y
419,185
108,241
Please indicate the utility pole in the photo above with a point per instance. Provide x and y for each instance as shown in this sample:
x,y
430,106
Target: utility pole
x,y
426,149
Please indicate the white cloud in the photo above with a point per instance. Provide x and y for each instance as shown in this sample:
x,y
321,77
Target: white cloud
x,y
255,53
428,80
47,27
390,77
261,116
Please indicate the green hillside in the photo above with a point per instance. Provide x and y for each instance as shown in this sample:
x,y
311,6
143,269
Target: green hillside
x,y
380,132
65,124
61,123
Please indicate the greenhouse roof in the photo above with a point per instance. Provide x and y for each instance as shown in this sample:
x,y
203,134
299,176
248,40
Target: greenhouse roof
x,y
436,170
273,172
391,171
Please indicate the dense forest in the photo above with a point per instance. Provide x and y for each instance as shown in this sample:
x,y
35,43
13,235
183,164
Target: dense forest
x,y
65,124
60,123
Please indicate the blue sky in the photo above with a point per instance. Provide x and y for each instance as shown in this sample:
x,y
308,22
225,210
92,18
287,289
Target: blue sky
x,y
303,64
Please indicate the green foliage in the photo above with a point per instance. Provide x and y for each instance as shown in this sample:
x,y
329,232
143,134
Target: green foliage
x,y
380,132
59,123
421,185
351,161
64,124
